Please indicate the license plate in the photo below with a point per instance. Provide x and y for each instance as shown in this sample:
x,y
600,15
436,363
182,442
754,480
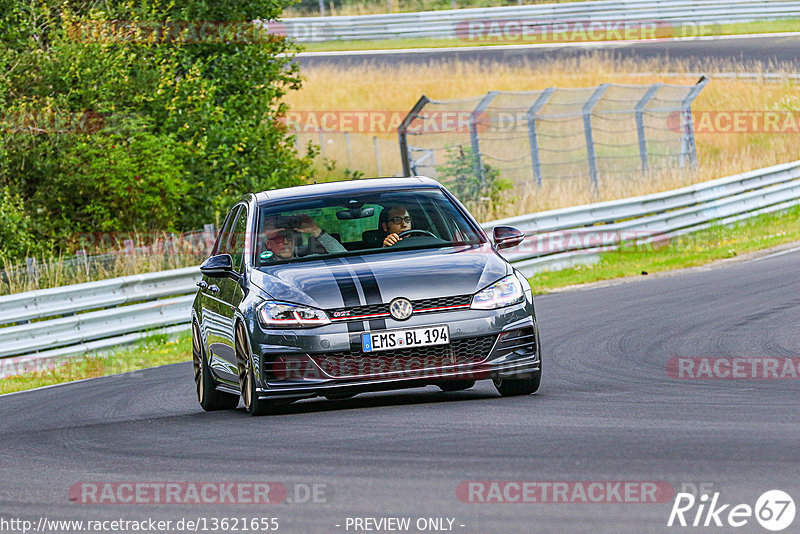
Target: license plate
x,y
402,339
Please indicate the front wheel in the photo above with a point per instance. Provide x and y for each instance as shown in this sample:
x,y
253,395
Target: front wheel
x,y
210,399
247,377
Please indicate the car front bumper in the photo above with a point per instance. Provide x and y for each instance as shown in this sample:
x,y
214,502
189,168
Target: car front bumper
x,y
484,344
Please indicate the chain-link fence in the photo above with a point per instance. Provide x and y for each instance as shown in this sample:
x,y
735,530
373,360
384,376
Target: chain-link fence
x,y
108,255
528,137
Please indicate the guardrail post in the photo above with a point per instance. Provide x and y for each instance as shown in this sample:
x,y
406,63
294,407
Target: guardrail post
x,y
473,134
531,117
587,128
402,133
688,146
648,96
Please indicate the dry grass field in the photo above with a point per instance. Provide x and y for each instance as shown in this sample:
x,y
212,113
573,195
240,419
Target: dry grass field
x,y
397,88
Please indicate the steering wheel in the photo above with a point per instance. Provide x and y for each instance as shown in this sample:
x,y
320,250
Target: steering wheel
x,y
412,232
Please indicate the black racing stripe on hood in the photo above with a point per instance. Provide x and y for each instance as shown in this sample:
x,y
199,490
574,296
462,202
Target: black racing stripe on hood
x,y
347,287
372,291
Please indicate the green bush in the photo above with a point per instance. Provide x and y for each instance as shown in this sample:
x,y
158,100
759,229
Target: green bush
x,y
113,135
16,238
461,175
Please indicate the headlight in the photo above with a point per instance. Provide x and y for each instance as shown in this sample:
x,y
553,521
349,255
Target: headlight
x,y
504,292
284,315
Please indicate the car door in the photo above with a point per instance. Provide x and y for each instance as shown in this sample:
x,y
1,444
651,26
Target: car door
x,y
231,292
216,310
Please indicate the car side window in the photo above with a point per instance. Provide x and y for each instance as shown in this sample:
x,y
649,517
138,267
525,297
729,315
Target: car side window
x,y
223,244
238,241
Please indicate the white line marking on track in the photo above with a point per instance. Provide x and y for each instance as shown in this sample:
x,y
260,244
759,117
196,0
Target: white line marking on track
x,y
774,254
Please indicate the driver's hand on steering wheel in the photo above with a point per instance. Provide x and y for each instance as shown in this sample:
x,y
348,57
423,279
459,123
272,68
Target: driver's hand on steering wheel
x,y
391,239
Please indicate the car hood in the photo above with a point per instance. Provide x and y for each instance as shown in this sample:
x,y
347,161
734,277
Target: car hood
x,y
381,277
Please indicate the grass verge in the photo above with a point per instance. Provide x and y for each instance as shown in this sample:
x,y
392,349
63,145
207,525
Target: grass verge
x,y
703,247
151,352
741,28
700,248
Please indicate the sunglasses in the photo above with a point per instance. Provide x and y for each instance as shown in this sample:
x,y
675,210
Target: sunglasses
x,y
400,220
279,238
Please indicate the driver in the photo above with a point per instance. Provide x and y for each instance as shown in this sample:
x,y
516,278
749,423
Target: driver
x,y
394,220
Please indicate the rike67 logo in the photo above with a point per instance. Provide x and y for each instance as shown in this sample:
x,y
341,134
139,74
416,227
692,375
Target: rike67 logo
x,y
774,510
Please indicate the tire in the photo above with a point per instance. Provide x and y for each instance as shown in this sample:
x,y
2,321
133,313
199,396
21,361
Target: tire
x,y
511,387
247,378
206,388
455,385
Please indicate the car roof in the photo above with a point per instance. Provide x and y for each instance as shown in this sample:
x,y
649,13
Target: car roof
x,y
348,186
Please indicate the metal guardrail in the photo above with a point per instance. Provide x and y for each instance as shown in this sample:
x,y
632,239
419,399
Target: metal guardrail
x,y
50,325
561,238
760,77
73,320
452,23
60,301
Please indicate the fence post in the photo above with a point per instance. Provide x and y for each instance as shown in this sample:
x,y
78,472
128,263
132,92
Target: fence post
x,y
402,133
688,147
33,272
473,134
648,96
531,117
377,154
349,150
82,257
209,237
587,128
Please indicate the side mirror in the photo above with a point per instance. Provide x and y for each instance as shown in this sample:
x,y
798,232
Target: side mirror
x,y
218,266
507,237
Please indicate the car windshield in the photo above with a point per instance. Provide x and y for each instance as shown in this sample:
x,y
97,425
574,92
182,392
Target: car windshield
x,y
354,224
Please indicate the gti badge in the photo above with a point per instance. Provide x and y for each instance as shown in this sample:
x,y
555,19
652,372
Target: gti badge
x,y
401,309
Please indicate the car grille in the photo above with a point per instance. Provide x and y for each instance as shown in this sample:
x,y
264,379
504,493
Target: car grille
x,y
377,309
405,362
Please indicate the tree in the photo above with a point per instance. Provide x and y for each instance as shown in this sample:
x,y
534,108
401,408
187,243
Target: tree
x,y
142,116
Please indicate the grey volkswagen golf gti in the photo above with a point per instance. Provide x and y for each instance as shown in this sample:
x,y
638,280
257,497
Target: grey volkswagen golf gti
x,y
341,288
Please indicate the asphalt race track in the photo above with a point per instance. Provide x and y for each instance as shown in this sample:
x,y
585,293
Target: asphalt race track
x,y
697,54
607,411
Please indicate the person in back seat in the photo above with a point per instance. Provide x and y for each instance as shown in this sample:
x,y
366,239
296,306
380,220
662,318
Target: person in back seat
x,y
279,242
